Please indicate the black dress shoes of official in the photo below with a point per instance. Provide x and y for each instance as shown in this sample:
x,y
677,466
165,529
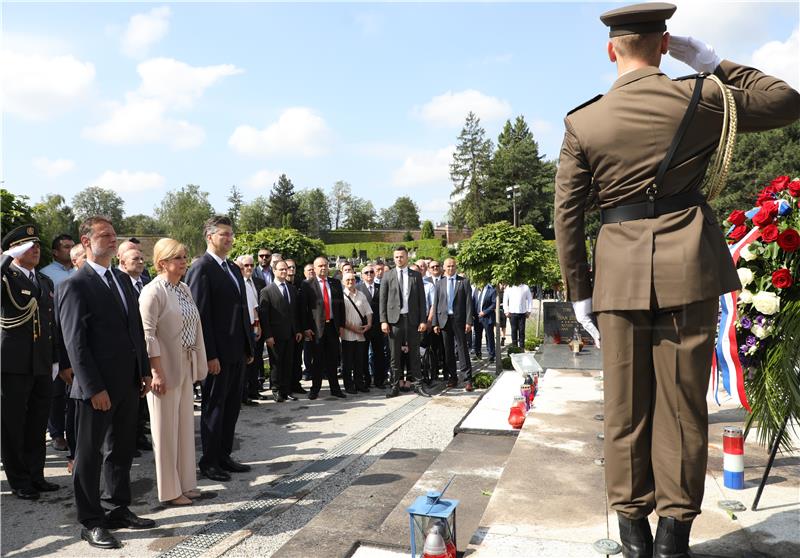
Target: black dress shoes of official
x,y
26,493
313,395
672,538
249,402
278,397
100,537
228,464
214,473
299,389
143,444
351,391
44,486
393,392
339,394
290,397
637,540
364,390
123,518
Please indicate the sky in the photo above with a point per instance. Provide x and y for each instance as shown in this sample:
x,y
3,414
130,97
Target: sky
x,y
143,98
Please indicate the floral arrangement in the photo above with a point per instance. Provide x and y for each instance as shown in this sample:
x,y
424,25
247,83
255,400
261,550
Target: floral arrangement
x,y
767,241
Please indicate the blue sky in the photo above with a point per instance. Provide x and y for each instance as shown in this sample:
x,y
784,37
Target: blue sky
x,y
143,97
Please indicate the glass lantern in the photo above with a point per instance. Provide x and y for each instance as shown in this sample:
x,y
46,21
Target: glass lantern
x,y
428,511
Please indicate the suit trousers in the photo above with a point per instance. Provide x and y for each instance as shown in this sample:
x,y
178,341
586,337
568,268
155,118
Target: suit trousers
x,y
25,404
455,343
280,375
656,371
404,333
478,329
106,440
517,329
172,429
354,364
326,359
297,363
377,358
255,370
219,411
56,423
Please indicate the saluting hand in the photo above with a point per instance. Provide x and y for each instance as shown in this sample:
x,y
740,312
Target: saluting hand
x,y
697,54
101,401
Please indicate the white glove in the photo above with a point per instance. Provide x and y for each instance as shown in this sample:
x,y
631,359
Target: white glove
x,y
697,54
17,251
583,313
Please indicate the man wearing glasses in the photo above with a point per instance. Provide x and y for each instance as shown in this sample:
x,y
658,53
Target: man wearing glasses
x,y
375,337
264,268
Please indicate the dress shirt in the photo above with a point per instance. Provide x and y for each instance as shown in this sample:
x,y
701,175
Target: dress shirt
x,y
429,295
280,286
57,272
137,283
326,285
225,268
451,293
517,299
480,299
101,271
402,278
252,298
370,288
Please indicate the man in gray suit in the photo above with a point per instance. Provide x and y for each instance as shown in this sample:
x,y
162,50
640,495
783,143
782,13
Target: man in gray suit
x,y
452,318
403,318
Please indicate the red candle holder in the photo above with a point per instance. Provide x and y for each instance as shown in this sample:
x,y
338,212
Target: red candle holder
x,y
516,417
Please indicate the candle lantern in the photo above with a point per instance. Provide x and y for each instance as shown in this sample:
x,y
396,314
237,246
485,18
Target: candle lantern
x,y
432,517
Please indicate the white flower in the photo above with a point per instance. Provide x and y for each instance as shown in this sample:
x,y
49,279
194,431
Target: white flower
x,y
759,331
747,254
746,297
745,276
766,303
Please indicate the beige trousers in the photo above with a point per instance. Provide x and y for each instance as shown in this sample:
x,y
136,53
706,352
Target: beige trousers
x,y
172,429
656,368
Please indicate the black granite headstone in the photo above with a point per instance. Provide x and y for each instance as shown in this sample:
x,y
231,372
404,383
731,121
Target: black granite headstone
x,y
560,324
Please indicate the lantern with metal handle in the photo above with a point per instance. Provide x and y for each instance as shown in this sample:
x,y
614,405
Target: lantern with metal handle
x,y
432,514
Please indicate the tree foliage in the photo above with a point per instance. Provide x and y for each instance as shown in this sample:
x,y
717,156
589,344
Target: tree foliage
x,y
402,214
290,243
361,214
282,205
140,224
182,214
254,216
427,230
469,173
236,200
315,211
55,217
95,200
337,202
14,211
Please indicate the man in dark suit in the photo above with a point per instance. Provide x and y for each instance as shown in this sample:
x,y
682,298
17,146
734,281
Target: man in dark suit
x,y
296,279
403,317
254,372
484,302
28,357
218,290
452,317
323,315
104,338
375,337
279,313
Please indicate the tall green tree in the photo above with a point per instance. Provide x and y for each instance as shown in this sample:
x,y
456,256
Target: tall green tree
x,y
15,210
361,214
182,214
337,202
95,200
55,217
140,224
254,215
469,173
402,214
236,200
282,205
427,230
314,210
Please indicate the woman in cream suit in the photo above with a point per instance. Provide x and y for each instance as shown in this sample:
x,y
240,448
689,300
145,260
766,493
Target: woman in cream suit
x,y
174,339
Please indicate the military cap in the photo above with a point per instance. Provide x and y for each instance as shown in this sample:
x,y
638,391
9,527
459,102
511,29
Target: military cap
x,y
638,18
20,235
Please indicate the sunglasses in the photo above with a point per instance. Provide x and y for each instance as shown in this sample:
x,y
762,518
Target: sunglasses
x,y
291,267
248,265
368,272
265,255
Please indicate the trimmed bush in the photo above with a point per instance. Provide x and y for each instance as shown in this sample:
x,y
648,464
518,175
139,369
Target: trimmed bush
x,y
507,363
482,380
513,349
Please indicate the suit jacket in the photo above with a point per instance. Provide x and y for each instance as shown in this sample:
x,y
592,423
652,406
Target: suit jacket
x,y
488,307
104,343
313,311
462,302
375,304
20,352
223,309
390,298
269,277
279,319
617,144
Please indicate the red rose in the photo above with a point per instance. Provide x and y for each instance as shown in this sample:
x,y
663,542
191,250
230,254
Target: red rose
x,y
738,232
736,217
781,278
765,215
789,240
770,233
767,194
779,184
794,188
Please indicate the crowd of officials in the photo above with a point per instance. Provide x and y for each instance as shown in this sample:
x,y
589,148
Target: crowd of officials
x,y
94,349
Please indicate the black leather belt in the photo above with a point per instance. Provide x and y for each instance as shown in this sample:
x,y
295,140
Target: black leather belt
x,y
634,211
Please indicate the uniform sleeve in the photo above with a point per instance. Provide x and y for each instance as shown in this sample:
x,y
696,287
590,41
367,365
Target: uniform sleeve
x,y
573,185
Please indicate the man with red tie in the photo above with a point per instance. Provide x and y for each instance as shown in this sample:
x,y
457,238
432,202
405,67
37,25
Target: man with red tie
x,y
323,314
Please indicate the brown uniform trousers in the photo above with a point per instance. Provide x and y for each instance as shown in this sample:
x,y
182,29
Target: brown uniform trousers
x,y
656,281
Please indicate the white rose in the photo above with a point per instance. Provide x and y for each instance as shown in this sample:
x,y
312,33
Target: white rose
x,y
759,331
746,297
747,254
766,303
745,276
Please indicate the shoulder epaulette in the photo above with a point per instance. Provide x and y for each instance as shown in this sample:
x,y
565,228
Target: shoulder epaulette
x,y
586,104
690,76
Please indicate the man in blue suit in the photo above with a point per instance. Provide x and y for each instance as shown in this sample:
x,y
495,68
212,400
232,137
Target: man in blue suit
x,y
484,301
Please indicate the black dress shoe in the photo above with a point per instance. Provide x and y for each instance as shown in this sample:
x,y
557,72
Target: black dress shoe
x,y
123,518
394,392
44,486
312,396
26,493
339,394
143,444
351,391
290,397
99,537
299,389
278,397
364,390
672,538
249,403
636,538
215,474
233,466
380,385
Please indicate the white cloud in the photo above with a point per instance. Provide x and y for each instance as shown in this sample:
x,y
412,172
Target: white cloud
x,y
36,86
53,168
732,21
781,59
126,181
262,179
145,30
438,206
425,167
451,109
298,131
177,83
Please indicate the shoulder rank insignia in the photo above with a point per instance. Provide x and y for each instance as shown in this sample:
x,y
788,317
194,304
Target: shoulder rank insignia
x,y
586,104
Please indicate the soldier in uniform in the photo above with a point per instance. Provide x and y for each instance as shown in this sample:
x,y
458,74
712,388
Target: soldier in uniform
x,y
28,359
660,262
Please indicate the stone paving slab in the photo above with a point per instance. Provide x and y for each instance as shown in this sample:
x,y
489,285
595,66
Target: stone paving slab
x,y
490,414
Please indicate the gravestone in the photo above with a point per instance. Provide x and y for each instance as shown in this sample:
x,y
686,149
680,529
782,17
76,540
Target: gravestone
x,y
559,327
560,324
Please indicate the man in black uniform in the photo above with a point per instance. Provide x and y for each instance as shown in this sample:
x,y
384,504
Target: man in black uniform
x,y
28,356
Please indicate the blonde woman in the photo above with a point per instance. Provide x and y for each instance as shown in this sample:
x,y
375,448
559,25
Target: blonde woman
x,y
174,339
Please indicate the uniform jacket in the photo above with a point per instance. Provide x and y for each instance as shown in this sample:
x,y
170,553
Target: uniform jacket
x,y
488,308
617,143
20,353
462,302
390,298
313,311
279,319
103,341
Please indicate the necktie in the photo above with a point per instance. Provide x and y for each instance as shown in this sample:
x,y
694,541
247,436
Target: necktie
x,y
451,289
114,290
230,275
371,293
402,289
285,293
326,300
138,286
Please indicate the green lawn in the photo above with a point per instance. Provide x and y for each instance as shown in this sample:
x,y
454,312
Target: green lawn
x,y
429,248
